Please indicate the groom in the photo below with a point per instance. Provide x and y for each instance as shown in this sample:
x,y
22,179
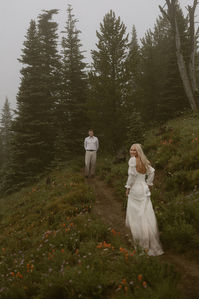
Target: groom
x,y
91,145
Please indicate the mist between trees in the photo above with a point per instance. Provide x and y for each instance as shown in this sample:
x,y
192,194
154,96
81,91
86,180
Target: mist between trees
x,y
129,87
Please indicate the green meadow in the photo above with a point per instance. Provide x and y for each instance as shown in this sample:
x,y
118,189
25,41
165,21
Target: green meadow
x,y
54,246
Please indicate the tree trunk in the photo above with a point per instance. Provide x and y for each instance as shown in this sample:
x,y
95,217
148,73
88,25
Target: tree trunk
x,y
192,73
187,75
183,70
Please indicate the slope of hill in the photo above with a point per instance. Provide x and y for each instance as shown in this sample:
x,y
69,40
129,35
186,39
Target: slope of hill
x,y
174,152
53,245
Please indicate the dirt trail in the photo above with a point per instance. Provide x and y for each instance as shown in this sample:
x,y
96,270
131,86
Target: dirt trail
x,y
110,210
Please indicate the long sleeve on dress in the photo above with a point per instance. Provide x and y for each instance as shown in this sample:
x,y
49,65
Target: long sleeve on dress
x,y
150,174
131,173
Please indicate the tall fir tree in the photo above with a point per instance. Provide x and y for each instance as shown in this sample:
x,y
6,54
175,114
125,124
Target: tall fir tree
x,y
134,66
26,157
34,124
151,79
173,98
108,82
51,82
134,124
161,90
72,105
5,133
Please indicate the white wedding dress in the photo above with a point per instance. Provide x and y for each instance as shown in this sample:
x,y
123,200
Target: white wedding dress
x,y
140,217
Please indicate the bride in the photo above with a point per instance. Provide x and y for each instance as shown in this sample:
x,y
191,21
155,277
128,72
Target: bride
x,y
140,217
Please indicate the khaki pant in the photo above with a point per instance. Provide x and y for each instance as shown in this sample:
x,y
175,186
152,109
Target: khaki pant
x,y
90,162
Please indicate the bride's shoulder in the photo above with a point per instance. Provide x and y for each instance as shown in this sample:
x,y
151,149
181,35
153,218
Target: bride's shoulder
x,y
132,161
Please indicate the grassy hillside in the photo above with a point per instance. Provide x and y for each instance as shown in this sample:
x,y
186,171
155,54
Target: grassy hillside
x,y
53,246
174,152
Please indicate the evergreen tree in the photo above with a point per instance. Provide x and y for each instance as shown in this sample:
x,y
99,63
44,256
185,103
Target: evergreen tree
x,y
34,125
72,105
161,90
173,98
134,66
5,132
51,82
26,157
134,125
149,89
108,82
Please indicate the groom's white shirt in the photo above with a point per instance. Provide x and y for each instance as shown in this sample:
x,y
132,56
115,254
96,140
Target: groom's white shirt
x,y
91,143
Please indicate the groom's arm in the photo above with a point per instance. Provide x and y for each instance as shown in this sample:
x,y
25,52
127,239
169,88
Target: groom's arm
x,y
85,143
97,143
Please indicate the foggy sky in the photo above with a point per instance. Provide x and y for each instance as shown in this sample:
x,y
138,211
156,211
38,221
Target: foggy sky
x,y
15,16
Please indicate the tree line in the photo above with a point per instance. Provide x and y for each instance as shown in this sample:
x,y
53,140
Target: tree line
x,y
128,87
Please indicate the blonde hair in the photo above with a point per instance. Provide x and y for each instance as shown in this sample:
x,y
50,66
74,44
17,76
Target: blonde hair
x,y
141,155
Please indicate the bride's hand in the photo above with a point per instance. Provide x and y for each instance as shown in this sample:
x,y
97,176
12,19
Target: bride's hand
x,y
127,192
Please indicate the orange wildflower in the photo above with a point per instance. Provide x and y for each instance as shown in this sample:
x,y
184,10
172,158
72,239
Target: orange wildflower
x,y
99,245
144,284
104,245
133,253
120,286
124,281
62,250
123,250
19,275
113,232
140,277
12,273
